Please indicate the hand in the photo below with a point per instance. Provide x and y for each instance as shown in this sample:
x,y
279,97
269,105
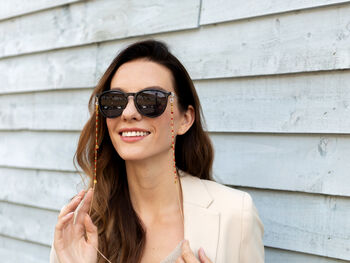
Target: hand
x,y
69,239
187,255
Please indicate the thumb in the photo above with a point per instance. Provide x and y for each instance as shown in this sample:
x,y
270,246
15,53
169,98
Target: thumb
x,y
91,230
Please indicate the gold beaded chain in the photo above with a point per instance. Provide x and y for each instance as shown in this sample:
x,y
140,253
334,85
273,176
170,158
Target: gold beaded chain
x,y
95,169
96,149
176,177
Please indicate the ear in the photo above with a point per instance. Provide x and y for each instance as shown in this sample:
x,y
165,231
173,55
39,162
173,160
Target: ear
x,y
187,120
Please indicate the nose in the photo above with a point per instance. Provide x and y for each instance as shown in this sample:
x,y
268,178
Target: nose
x,y
130,112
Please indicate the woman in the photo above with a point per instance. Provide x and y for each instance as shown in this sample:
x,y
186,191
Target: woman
x,y
144,206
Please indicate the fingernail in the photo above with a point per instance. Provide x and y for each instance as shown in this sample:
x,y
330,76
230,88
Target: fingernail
x,y
69,214
201,252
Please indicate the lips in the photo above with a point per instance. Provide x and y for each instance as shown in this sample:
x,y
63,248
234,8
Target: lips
x,y
133,134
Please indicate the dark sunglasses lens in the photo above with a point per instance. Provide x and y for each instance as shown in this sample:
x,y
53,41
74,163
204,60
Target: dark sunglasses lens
x,y
151,103
112,104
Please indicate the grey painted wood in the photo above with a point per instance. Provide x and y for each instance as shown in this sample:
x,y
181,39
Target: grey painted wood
x,y
276,48
71,68
27,223
40,188
11,8
306,163
281,44
309,223
54,110
15,250
273,255
302,103
38,150
94,21
226,10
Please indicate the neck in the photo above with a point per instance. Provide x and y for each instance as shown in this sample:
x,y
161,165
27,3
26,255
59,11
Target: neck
x,y
153,192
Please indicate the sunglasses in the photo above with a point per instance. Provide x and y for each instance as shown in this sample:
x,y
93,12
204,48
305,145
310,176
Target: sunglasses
x,y
149,102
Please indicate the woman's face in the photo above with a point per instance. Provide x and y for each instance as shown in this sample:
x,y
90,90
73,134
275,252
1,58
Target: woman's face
x,y
134,76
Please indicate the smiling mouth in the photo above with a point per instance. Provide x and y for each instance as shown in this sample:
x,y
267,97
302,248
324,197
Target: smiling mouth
x,y
134,134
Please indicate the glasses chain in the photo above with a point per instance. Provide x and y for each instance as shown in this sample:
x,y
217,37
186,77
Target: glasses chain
x,y
176,177
95,169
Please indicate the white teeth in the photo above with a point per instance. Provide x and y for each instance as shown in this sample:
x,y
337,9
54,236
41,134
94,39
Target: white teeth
x,y
134,133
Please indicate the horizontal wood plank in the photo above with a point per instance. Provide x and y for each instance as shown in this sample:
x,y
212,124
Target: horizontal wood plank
x,y
54,110
36,226
308,223
12,8
274,255
227,10
48,189
71,68
94,21
264,46
15,250
275,48
314,164
311,163
38,150
301,103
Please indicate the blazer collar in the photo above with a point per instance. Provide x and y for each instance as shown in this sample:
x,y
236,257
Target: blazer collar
x,y
201,224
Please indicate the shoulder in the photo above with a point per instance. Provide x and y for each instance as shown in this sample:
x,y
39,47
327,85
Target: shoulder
x,y
227,199
217,196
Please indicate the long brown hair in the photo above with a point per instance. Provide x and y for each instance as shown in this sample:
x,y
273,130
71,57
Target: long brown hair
x,y
121,236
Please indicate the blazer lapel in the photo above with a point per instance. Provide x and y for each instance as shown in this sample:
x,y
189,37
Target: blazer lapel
x,y
201,224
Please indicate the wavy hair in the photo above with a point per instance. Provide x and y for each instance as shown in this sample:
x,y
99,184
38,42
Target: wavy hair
x,y
121,235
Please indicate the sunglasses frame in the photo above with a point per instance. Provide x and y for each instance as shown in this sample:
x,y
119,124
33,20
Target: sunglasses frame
x,y
134,95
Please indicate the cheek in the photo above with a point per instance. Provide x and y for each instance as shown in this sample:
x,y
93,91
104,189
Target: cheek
x,y
110,124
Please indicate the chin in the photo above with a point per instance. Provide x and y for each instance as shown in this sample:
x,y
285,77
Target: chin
x,y
132,156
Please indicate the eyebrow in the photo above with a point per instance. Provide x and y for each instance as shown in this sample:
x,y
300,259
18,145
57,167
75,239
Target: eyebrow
x,y
150,87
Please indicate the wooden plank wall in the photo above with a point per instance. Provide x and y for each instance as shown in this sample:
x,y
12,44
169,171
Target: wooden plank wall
x,y
276,72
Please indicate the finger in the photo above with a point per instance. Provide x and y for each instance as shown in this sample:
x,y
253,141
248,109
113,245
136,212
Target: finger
x,y
87,200
70,207
61,224
187,253
83,208
180,260
202,256
91,230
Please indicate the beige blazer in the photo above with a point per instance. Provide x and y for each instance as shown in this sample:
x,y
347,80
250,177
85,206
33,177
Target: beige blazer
x,y
222,220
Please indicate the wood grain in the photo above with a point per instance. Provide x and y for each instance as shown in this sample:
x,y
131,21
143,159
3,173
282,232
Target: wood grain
x,y
274,255
40,188
227,10
16,250
305,222
12,8
305,163
275,48
94,21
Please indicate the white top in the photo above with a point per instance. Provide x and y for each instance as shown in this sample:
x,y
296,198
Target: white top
x,y
173,256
